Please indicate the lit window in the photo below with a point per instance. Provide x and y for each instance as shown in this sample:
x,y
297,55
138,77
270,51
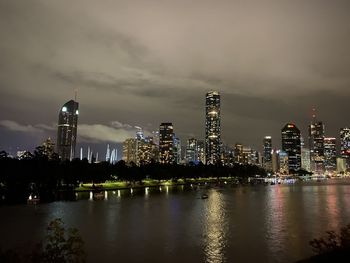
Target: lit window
x,y
64,109
76,112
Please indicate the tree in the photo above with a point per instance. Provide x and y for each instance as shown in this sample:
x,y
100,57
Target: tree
x,y
333,241
60,246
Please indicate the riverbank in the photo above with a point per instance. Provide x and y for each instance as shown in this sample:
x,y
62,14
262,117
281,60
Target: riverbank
x,y
119,185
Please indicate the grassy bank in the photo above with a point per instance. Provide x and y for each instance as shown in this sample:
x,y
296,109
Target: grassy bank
x,y
116,185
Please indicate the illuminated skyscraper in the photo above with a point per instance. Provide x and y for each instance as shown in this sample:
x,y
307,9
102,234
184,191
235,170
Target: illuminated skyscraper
x,y
146,151
130,147
67,130
212,127
345,144
177,149
305,159
191,151
291,145
330,154
316,144
201,151
267,153
166,143
283,162
238,153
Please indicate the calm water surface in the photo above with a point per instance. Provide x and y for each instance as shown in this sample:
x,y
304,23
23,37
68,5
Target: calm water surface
x,y
235,224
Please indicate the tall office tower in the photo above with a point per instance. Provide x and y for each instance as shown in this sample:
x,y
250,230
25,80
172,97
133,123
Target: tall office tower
x,y
201,151
238,151
291,145
212,127
166,143
145,151
330,154
316,144
227,155
177,149
67,130
191,151
283,162
275,161
130,147
267,153
305,159
345,144
246,153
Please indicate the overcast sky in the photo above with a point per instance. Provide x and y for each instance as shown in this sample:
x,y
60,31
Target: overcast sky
x,y
140,63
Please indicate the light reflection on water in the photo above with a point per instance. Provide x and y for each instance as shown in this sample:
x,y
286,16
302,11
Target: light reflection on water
x,y
171,224
215,228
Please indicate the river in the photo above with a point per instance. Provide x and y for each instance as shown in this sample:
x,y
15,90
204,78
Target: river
x,y
272,223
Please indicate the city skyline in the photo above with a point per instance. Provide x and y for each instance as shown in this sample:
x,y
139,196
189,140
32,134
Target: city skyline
x,y
133,67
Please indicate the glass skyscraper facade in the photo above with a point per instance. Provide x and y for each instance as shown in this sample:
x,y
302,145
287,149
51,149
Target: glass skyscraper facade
x,y
345,144
191,151
316,144
166,143
267,153
291,145
330,154
212,127
67,130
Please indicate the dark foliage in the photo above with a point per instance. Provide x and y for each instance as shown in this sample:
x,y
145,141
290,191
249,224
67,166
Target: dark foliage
x,y
46,177
334,247
61,245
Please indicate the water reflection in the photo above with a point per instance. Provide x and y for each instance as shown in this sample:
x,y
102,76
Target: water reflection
x,y
333,207
276,217
215,228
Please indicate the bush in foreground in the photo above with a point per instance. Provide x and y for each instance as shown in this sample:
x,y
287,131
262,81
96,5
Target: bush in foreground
x,y
61,245
334,247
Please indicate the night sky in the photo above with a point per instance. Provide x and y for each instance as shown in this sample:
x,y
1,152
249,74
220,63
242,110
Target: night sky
x,y
140,63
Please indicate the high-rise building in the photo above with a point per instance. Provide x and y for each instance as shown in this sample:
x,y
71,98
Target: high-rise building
x,y
227,155
283,162
316,144
67,130
330,154
291,145
146,151
177,150
201,151
345,144
130,153
305,159
191,151
166,143
212,128
275,161
267,153
238,152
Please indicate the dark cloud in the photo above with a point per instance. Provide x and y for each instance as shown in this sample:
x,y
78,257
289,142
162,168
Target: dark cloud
x,y
145,62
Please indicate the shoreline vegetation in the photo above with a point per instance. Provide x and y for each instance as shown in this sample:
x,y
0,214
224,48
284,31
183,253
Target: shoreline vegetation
x,y
40,176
